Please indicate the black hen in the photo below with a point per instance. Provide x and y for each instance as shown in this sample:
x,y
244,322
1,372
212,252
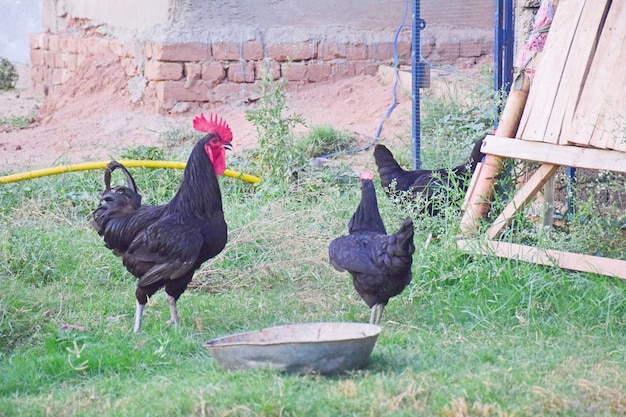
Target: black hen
x,y
425,182
164,245
380,264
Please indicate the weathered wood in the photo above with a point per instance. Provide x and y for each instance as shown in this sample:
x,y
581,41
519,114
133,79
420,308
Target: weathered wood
x,y
521,198
545,84
567,260
574,74
572,156
602,101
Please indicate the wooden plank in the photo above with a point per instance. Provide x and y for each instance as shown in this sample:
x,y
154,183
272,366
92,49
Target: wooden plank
x,y
576,68
553,58
567,260
605,82
610,129
572,156
521,198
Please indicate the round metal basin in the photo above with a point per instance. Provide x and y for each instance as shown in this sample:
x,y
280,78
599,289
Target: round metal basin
x,y
324,348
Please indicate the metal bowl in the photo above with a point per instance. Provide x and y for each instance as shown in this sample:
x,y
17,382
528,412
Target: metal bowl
x,y
324,348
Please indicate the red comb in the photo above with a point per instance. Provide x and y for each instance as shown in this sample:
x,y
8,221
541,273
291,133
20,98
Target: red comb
x,y
366,175
215,125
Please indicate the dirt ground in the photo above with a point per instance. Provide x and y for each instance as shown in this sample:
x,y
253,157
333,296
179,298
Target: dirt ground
x,y
94,124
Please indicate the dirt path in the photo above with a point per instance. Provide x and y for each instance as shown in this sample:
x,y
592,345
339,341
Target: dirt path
x,y
97,126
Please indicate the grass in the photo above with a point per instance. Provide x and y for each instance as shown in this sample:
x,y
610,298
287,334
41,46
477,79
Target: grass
x,y
18,122
471,335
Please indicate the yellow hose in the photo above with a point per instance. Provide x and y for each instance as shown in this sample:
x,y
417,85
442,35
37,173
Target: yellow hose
x,y
129,163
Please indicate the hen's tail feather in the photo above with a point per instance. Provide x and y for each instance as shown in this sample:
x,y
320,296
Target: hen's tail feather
x,y
116,202
388,167
112,166
404,238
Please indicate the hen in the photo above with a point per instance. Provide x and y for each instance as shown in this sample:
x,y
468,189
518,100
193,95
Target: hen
x,y
380,264
164,245
425,182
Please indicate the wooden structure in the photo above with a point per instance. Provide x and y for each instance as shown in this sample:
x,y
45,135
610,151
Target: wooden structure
x,y
574,115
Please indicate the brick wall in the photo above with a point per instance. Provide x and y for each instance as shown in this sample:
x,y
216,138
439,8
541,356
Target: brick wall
x,y
221,71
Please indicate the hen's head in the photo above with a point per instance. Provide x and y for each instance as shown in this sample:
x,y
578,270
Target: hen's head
x,y
366,175
219,138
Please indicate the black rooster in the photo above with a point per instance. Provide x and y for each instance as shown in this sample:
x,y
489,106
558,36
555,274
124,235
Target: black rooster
x,y
164,245
425,182
380,264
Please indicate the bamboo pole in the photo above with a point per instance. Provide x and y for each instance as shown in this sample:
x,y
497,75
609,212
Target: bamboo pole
x,y
480,193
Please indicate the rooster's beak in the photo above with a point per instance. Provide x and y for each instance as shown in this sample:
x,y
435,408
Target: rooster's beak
x,y
227,146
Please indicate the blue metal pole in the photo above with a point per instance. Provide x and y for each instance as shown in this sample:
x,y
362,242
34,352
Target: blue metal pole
x,y
508,38
417,72
503,47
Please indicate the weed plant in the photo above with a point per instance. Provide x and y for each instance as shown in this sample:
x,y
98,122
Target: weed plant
x,y
470,336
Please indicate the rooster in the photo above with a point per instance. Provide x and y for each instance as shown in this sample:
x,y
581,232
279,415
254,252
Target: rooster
x,y
425,182
164,245
380,264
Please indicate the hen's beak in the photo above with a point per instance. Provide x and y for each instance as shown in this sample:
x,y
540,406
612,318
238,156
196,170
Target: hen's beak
x,y
227,146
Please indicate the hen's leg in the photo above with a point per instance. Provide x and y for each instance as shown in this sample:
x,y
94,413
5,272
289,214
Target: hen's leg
x,y
171,301
138,314
377,313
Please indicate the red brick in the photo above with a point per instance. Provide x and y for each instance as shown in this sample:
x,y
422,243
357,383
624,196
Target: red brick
x,y
71,44
404,51
342,70
59,76
357,51
172,91
427,48
37,57
53,43
58,60
471,49
71,62
193,70
252,50
225,92
365,68
36,74
318,71
97,46
301,51
38,40
147,50
159,70
226,51
272,66
241,72
213,72
65,60
383,51
82,46
48,59
332,50
294,71
449,51
186,52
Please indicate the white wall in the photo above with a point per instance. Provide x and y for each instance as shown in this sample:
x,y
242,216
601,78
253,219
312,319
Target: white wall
x,y
18,18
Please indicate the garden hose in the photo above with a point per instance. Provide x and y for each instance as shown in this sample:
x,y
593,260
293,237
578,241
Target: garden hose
x,y
129,163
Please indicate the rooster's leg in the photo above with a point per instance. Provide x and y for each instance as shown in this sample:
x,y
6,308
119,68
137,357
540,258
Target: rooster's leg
x,y
138,314
376,313
171,301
